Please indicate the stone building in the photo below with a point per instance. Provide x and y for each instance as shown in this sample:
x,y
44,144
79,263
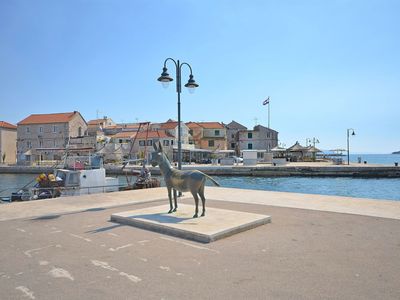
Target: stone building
x,y
140,144
171,127
208,135
8,142
232,134
45,136
260,138
96,127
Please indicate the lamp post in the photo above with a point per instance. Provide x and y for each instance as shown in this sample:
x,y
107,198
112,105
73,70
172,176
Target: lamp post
x,y
348,143
165,79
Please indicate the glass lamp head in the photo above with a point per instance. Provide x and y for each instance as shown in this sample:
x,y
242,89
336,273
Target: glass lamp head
x,y
191,84
165,79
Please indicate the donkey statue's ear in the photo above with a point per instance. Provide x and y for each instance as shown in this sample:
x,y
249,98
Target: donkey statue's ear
x,y
155,147
159,146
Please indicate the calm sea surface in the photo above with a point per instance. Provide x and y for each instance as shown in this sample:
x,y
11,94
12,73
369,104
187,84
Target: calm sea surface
x,y
384,159
341,186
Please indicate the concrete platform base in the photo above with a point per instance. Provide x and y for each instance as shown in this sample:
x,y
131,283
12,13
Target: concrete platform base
x,y
217,224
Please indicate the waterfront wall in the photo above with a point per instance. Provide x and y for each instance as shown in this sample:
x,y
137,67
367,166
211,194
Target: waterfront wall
x,y
264,171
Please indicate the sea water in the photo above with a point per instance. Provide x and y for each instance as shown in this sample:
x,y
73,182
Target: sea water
x,y
382,159
376,188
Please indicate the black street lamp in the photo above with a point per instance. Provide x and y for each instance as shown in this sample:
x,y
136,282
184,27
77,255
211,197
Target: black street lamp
x,y
165,79
348,143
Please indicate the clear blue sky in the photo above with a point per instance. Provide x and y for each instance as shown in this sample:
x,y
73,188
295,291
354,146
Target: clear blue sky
x,y
327,65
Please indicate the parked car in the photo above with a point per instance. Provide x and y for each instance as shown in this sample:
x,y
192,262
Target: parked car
x,y
237,159
205,161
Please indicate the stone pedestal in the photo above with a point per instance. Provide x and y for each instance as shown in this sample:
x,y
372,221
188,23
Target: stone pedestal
x,y
217,224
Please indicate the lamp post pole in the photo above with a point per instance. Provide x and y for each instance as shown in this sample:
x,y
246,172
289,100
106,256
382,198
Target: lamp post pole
x,y
348,143
191,85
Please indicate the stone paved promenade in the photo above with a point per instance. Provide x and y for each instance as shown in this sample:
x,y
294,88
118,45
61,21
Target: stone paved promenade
x,y
317,247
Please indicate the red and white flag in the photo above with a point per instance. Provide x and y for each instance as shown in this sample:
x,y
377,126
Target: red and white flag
x,y
266,101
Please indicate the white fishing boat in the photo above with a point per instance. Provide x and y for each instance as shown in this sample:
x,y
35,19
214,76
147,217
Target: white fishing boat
x,y
79,176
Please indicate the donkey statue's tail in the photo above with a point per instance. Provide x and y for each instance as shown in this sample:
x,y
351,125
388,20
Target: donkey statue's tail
x,y
212,180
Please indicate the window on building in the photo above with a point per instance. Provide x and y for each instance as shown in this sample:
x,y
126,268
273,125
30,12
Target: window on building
x,y
232,145
210,143
233,136
165,143
40,144
268,134
28,144
28,129
172,142
54,143
142,143
120,141
54,128
249,146
191,132
216,132
40,129
249,135
149,142
260,155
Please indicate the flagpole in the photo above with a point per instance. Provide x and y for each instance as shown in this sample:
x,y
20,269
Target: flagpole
x,y
266,102
269,116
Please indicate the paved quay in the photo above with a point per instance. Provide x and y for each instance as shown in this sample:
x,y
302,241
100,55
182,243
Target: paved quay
x,y
316,247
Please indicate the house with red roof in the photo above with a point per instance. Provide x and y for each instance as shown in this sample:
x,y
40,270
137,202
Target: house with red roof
x,y
208,135
96,127
171,127
45,136
140,144
8,142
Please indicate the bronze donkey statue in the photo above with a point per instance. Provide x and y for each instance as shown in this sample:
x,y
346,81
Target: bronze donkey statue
x,y
183,181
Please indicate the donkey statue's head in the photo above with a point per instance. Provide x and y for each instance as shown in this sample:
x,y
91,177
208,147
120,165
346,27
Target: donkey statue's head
x,y
157,157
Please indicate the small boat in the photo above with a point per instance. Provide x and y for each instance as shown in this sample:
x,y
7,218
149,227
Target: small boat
x,y
79,179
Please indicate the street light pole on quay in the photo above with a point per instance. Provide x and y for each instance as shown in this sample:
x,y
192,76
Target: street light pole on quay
x,y
348,143
165,79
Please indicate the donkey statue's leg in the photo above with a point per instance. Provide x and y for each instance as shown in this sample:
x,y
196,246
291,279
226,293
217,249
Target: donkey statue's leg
x,y
175,202
196,201
203,199
170,199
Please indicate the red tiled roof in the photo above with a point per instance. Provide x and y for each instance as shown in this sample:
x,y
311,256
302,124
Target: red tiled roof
x,y
168,125
96,121
132,126
192,125
4,124
48,118
125,134
211,125
154,135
